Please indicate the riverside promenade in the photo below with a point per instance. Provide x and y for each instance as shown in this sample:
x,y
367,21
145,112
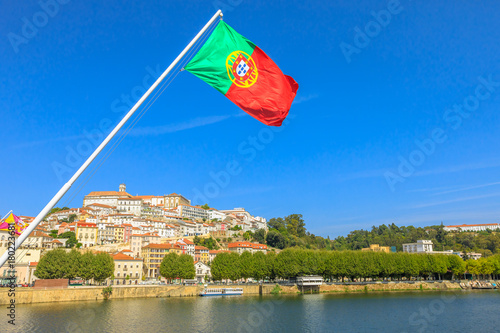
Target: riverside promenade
x,y
93,293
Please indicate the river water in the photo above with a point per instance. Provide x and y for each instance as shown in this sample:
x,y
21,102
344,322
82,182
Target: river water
x,y
458,311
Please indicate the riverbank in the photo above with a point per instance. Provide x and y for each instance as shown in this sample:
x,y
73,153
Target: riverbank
x,y
30,295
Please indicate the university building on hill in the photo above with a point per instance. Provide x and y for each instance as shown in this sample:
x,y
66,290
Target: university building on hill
x,y
473,227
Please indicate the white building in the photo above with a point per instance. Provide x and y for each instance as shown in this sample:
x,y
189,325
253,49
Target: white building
x,y
129,206
109,198
260,222
214,214
187,228
421,246
152,211
121,218
101,210
202,271
472,227
192,212
471,255
238,212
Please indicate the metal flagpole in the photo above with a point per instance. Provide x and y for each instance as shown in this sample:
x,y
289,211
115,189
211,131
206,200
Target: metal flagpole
x,y
6,215
68,185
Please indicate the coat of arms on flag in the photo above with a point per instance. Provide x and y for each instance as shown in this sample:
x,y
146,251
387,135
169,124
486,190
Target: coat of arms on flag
x,y
241,69
12,219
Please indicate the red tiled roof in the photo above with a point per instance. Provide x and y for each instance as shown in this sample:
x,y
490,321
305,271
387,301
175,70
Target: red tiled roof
x,y
100,205
109,193
472,225
122,256
131,198
217,251
37,233
247,245
162,246
86,225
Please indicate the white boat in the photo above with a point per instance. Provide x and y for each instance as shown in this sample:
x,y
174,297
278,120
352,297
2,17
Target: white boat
x,y
222,292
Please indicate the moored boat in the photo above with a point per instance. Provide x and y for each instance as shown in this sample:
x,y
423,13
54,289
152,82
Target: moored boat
x,y
222,292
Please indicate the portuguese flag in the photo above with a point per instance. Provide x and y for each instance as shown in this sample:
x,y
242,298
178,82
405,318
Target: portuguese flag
x,y
245,74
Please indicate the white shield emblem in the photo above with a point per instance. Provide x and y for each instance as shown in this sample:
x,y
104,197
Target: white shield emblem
x,y
242,68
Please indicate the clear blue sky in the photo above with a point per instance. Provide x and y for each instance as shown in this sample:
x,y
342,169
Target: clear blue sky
x,y
362,104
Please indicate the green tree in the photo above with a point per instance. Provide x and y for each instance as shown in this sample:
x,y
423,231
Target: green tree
x,y
287,263
248,235
72,218
295,225
205,206
169,267
70,235
456,265
103,267
246,265
73,264
52,265
260,266
277,224
276,239
473,267
186,267
235,271
86,270
486,267
220,266
260,236
270,260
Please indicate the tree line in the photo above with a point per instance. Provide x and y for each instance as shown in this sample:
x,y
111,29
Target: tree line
x,y
290,231
353,265
59,264
486,242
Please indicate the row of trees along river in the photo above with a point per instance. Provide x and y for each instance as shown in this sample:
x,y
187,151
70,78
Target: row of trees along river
x,y
354,265
292,262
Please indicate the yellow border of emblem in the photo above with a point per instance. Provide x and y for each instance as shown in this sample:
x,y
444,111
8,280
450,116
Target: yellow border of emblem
x,y
229,67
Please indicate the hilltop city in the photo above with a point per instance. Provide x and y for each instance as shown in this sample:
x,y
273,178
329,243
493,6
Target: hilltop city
x,y
138,231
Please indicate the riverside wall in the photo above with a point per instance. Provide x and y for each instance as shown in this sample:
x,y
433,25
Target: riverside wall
x,y
72,294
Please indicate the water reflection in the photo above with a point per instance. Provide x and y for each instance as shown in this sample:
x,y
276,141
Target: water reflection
x,y
396,312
